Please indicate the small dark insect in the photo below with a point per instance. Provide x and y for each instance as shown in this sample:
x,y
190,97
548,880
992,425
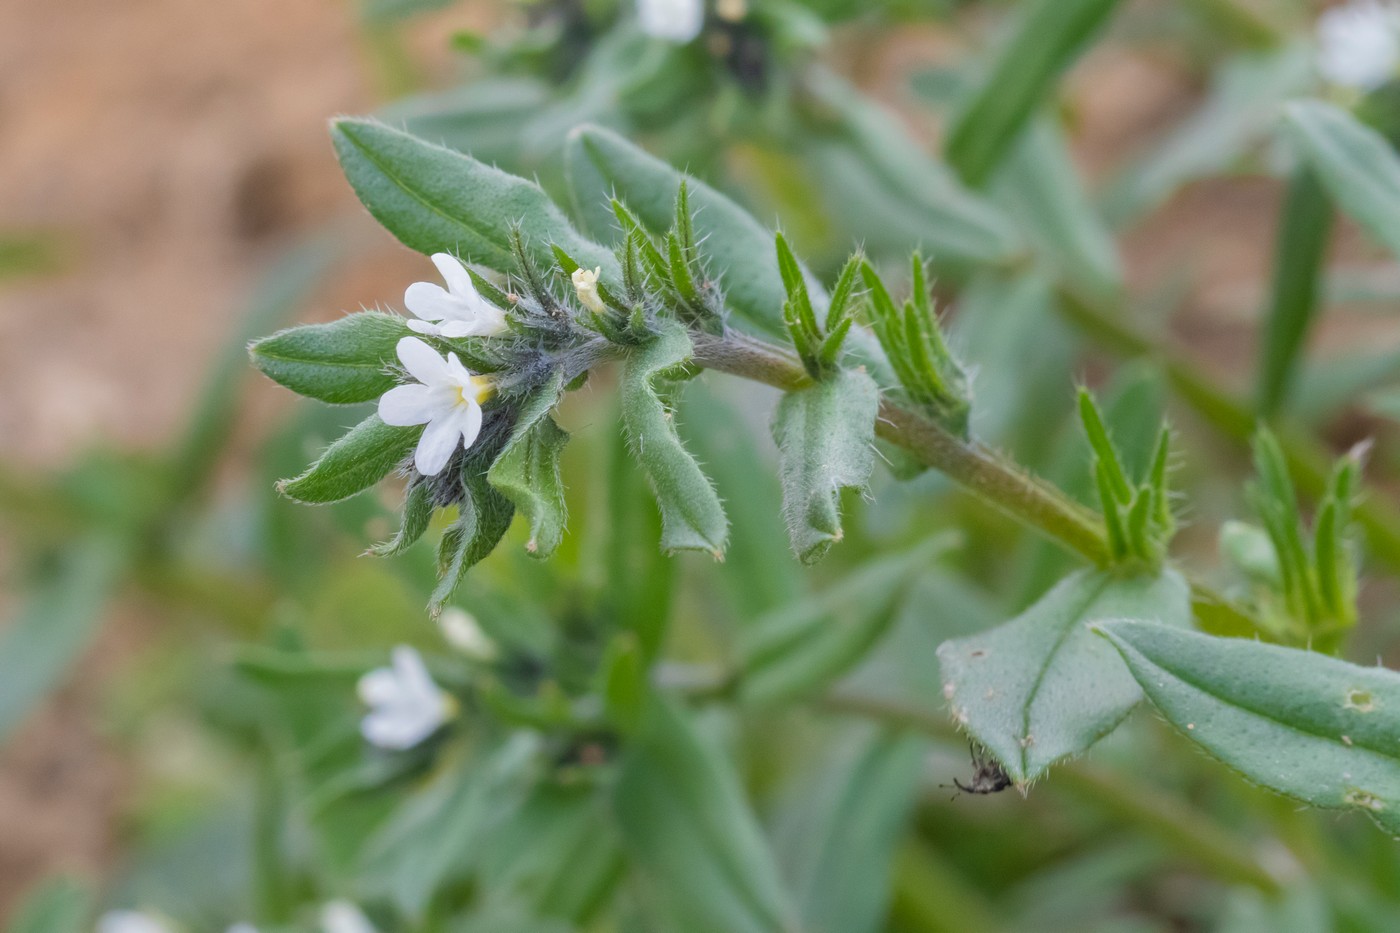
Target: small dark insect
x,y
988,776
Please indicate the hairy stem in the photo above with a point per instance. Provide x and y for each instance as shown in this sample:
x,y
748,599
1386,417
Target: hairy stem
x,y
984,472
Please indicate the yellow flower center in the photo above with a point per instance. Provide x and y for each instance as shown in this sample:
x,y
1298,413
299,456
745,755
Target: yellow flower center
x,y
478,389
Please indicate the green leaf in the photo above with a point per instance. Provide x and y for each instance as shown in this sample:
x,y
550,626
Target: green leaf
x,y
1041,687
527,470
417,515
1299,256
368,453
437,200
1357,166
624,683
344,362
1042,188
691,835
691,515
1307,725
731,244
837,836
802,647
40,646
1049,37
60,905
826,443
433,837
484,518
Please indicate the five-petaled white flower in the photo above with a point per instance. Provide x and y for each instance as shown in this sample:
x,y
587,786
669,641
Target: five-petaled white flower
x,y
405,704
676,21
344,917
456,311
1359,44
447,398
130,921
464,633
586,287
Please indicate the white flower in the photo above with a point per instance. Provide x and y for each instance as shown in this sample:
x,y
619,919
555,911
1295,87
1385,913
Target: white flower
x,y
1359,44
586,287
447,398
457,311
131,921
464,633
676,21
405,705
344,917
242,928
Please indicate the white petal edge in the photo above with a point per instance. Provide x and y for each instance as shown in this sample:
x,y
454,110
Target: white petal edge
x,y
440,438
431,302
422,361
407,405
459,281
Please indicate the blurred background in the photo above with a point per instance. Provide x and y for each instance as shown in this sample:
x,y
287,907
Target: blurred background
x,y
168,191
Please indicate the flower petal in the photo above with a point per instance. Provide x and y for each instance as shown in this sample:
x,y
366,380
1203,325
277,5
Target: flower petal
x,y
426,328
430,302
422,361
459,281
378,687
469,423
402,406
440,439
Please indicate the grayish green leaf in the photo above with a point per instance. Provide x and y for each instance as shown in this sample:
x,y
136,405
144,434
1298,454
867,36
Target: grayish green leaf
x,y
437,200
368,453
484,518
1357,165
343,362
692,837
691,515
527,469
1307,725
826,437
1041,687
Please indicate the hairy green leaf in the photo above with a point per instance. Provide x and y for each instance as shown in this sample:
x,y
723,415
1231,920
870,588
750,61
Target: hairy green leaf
x,y
692,837
527,470
826,443
368,453
437,200
417,515
1307,725
343,362
692,517
484,518
1049,37
1357,165
1041,687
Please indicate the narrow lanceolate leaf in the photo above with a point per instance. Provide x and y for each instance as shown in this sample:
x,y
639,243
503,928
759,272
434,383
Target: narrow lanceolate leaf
x,y
417,515
802,647
1048,39
527,471
691,515
437,200
1041,687
1307,725
1356,164
691,835
368,453
343,362
826,443
1299,256
484,517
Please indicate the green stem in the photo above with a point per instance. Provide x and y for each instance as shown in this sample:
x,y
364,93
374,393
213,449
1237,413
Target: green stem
x,y
985,472
1309,461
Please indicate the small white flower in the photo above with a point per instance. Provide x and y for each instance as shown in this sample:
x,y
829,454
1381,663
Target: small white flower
x,y
1359,44
456,311
131,921
405,705
447,398
586,287
464,633
242,928
676,21
344,917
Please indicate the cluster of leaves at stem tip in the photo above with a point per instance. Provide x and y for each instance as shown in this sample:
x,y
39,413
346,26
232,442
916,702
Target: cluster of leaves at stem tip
x,y
1137,517
1305,585
646,313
